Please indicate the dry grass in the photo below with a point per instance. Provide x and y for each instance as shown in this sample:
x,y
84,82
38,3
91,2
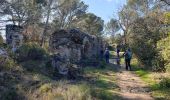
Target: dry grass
x,y
62,90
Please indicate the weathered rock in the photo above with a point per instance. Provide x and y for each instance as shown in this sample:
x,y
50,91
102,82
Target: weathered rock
x,y
3,52
75,41
14,38
72,46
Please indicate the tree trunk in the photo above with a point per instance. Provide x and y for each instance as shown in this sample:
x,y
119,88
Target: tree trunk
x,y
46,24
125,39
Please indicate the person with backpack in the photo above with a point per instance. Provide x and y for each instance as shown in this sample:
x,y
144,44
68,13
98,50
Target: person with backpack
x,y
107,54
128,57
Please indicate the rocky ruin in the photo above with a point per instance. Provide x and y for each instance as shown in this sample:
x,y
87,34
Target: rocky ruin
x,y
14,37
71,47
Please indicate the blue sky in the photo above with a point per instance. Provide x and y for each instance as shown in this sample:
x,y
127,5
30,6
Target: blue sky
x,y
106,9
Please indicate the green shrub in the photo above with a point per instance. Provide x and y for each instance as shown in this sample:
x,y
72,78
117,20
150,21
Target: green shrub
x,y
143,41
102,64
31,51
158,65
144,52
111,48
165,83
32,65
7,63
1,40
11,94
164,50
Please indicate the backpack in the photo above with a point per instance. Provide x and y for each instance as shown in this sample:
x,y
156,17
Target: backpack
x,y
128,55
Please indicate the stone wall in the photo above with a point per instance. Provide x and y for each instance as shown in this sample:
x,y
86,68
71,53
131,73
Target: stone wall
x,y
14,37
74,46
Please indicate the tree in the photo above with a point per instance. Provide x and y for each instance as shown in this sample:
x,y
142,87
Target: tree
x,y
21,11
126,18
145,23
25,13
166,1
67,12
112,26
46,23
117,38
144,37
90,23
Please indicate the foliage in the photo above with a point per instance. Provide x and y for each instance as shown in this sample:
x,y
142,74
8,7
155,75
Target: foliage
x,y
167,17
145,25
1,40
20,11
126,17
144,37
165,83
67,11
158,64
102,64
112,26
90,23
11,94
7,63
31,51
32,65
164,51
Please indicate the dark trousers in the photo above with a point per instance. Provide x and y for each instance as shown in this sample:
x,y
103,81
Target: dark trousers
x,y
127,62
118,54
107,59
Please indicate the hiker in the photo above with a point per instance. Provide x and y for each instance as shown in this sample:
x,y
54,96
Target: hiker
x,y
118,50
118,60
106,54
128,57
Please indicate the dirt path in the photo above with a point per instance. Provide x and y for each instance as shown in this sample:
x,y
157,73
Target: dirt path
x,y
131,86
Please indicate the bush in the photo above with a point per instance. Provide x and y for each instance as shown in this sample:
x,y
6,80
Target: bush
x,y
164,51
31,52
7,63
144,52
111,48
103,64
143,41
1,40
31,65
11,94
158,64
165,83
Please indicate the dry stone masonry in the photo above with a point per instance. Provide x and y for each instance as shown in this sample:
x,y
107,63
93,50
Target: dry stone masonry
x,y
71,47
14,37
